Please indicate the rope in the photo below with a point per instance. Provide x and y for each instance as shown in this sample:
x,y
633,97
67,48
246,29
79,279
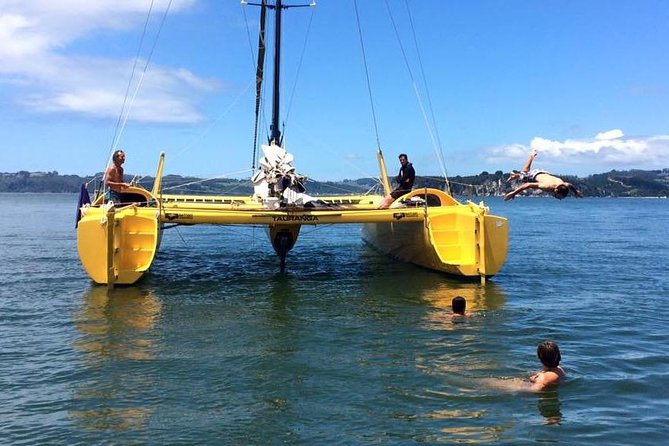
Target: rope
x,y
119,129
248,36
91,180
260,70
440,154
369,84
466,184
206,179
132,75
215,121
336,188
413,83
141,79
321,148
299,67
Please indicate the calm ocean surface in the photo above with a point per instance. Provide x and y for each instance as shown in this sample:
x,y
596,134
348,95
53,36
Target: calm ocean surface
x,y
215,346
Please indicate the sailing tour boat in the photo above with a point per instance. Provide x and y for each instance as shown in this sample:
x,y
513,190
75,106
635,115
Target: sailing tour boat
x,y
117,243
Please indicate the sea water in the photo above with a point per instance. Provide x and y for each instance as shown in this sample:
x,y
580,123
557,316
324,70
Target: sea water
x,y
216,346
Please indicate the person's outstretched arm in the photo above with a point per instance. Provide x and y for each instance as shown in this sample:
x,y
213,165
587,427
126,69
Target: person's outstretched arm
x,y
577,193
511,195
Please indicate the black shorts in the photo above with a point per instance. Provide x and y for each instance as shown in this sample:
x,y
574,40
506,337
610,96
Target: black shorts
x,y
397,193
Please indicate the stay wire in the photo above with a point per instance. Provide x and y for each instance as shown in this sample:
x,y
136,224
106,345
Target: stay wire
x,y
413,81
440,153
369,84
259,62
299,66
262,118
132,76
141,79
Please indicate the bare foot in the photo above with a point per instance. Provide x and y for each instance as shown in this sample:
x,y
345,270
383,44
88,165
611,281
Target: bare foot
x,y
513,176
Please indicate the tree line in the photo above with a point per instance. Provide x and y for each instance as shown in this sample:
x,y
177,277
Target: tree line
x,y
628,183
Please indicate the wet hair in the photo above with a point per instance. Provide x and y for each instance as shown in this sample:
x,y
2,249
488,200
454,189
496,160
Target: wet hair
x,y
561,191
548,353
116,154
459,304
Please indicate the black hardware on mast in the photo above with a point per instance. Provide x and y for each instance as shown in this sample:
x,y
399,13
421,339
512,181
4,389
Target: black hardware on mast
x,y
260,69
275,133
278,6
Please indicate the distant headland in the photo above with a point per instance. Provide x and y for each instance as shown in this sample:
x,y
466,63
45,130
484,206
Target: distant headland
x,y
628,183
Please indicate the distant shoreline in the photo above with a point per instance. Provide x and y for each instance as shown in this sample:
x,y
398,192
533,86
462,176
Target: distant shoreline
x,y
624,184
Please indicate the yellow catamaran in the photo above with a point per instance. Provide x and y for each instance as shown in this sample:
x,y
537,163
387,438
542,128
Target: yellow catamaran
x,y
428,227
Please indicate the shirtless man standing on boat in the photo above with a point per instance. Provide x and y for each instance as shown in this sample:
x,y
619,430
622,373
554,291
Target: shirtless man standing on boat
x,y
540,179
114,178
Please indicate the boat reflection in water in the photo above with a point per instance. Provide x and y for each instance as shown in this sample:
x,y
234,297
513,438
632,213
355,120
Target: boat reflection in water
x,y
116,330
479,299
456,356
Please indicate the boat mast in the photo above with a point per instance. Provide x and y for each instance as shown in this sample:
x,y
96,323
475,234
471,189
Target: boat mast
x,y
260,70
278,7
275,133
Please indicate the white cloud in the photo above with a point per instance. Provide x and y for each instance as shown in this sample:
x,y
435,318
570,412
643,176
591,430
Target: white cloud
x,y
607,150
35,41
611,134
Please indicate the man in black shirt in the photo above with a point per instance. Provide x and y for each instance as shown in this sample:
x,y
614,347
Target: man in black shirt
x,y
404,180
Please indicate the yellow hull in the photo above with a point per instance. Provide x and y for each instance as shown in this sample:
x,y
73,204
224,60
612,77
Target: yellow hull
x,y
457,239
461,240
117,246
445,235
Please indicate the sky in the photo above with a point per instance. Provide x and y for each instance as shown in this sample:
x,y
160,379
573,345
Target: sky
x,y
461,86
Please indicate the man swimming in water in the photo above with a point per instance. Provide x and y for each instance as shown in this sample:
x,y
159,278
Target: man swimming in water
x,y
548,353
458,304
551,373
540,179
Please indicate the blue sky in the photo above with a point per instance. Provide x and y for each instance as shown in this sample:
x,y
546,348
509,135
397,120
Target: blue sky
x,y
584,82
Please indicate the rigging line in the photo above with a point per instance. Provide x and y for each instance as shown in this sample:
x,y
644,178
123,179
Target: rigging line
x,y
183,240
141,79
248,36
215,121
321,147
225,175
440,153
369,85
435,178
299,66
318,228
262,113
378,186
91,180
282,70
413,81
132,76
325,184
466,184
260,72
